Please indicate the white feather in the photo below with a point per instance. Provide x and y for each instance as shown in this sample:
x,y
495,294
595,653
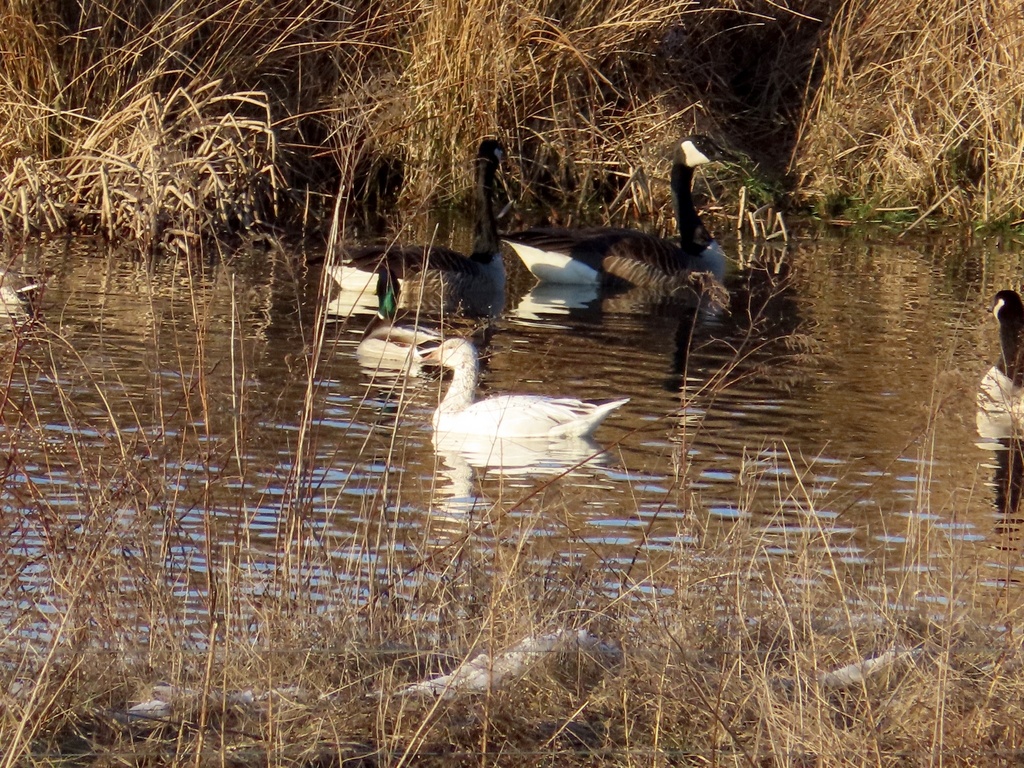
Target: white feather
x,y
1000,406
694,156
507,415
555,267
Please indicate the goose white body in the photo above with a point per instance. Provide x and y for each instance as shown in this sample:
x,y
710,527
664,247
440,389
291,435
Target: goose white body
x,y
525,416
550,266
507,416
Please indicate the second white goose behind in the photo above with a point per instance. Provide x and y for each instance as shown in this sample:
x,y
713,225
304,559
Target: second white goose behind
x,y
504,416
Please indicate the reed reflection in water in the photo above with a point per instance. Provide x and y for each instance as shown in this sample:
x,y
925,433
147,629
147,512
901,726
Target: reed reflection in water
x,y
168,408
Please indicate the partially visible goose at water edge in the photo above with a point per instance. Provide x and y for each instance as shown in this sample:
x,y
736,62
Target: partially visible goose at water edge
x,y
505,416
17,293
388,344
629,257
1001,393
474,283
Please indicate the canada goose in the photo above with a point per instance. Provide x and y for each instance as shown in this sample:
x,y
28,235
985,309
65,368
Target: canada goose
x,y
387,344
1001,393
628,256
479,276
504,416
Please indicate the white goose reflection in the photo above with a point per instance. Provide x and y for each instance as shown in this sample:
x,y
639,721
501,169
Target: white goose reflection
x,y
466,458
546,300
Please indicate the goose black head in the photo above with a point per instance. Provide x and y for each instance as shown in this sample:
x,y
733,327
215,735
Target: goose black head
x,y
1008,308
491,151
698,149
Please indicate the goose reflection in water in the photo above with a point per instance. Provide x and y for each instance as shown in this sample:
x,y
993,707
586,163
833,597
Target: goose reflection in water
x,y
466,458
1001,434
664,316
1008,479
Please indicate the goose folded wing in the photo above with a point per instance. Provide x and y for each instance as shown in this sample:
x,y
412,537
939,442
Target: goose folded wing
x,y
525,415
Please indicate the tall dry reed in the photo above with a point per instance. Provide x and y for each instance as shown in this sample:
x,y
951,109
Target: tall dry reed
x,y
588,95
135,123
167,120
919,105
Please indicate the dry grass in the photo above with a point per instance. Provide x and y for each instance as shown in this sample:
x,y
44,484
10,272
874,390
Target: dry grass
x,y
919,105
725,660
127,120
169,119
163,126
154,122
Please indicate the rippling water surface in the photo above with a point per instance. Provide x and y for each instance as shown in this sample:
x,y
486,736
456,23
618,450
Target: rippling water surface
x,y
166,409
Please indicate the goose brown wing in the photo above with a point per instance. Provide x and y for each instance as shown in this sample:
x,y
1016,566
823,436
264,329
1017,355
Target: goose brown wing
x,y
626,255
642,259
408,261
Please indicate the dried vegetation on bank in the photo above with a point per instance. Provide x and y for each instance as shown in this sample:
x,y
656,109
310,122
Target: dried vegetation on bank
x,y
740,650
155,123
918,108
161,122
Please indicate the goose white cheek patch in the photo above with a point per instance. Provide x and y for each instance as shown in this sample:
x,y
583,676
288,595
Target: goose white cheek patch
x,y
997,308
693,156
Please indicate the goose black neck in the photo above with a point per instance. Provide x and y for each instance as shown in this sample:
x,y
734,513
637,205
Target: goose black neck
x,y
1009,343
691,229
485,228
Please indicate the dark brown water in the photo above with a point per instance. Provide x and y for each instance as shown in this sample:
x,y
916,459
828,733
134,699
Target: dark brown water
x,y
160,409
